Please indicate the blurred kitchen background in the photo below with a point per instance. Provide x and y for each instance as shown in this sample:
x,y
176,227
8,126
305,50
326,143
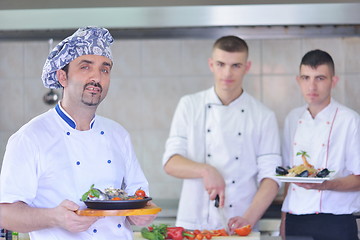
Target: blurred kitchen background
x,y
161,52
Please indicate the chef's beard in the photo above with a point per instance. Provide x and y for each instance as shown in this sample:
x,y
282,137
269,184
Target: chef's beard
x,y
93,99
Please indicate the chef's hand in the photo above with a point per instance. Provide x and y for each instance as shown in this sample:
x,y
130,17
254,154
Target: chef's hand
x,y
214,184
316,186
237,222
66,218
143,220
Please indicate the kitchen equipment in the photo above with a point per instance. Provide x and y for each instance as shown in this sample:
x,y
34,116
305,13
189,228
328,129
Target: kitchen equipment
x,y
222,215
147,210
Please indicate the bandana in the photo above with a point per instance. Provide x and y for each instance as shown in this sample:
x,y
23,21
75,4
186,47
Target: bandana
x,y
85,41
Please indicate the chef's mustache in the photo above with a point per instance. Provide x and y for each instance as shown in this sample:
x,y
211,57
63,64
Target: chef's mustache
x,y
94,84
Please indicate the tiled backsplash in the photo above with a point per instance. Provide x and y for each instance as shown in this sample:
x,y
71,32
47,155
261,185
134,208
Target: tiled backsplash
x,y
149,77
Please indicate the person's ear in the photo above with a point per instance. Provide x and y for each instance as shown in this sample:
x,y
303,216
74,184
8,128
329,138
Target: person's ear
x,y
61,76
248,66
335,80
211,64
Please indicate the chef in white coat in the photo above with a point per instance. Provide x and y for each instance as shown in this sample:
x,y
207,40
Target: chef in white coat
x,y
223,142
329,133
55,158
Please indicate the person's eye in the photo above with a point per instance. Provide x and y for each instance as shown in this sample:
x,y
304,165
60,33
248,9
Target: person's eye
x,y
85,67
219,64
237,65
105,70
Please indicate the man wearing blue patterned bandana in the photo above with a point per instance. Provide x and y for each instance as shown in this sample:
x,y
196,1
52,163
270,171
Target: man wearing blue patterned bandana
x,y
59,154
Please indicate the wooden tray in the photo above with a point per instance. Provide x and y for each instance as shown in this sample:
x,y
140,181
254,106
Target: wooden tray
x,y
147,210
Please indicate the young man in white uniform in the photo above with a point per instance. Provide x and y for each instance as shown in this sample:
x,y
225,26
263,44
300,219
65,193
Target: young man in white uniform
x,y
223,142
55,158
330,134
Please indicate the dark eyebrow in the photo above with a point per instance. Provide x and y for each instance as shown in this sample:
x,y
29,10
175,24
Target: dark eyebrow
x,y
91,62
86,61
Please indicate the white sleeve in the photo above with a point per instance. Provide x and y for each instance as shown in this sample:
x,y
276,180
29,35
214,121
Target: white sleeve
x,y
268,156
20,170
286,143
177,141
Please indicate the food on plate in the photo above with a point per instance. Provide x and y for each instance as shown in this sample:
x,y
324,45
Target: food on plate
x,y
243,231
111,193
303,170
163,231
140,193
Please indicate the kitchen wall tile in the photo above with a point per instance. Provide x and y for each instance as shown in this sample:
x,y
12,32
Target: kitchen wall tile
x,y
35,54
253,85
281,94
127,58
352,89
160,99
194,57
153,147
161,57
334,46
338,92
12,60
255,56
281,56
34,98
352,53
125,102
11,104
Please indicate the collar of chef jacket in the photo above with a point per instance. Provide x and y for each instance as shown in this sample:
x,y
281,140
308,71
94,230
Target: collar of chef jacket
x,y
67,118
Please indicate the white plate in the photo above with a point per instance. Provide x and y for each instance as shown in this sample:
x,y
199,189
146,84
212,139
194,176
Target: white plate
x,y
301,179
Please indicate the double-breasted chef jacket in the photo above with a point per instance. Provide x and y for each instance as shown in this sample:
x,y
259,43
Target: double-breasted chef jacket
x,y
48,160
241,140
332,140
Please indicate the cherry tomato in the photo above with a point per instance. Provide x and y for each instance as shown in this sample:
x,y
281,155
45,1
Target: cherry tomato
x,y
243,231
199,236
140,193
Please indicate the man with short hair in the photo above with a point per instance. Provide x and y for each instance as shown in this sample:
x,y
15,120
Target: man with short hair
x,y
329,133
223,142
59,154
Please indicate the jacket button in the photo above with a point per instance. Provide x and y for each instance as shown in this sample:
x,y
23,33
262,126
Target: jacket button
x,y
208,130
209,155
239,133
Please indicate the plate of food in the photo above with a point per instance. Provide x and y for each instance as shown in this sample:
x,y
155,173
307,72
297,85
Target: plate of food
x,y
303,173
114,199
117,204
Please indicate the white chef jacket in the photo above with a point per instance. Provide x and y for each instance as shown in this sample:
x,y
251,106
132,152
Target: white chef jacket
x,y
48,160
241,140
332,140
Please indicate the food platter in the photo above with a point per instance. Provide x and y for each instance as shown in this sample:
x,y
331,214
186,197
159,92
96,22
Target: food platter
x,y
117,204
147,210
302,179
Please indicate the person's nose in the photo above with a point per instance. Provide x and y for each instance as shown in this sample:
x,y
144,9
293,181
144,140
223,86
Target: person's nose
x,y
95,76
227,72
312,85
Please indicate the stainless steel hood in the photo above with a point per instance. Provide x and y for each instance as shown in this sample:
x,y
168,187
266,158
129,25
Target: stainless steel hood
x,y
252,21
